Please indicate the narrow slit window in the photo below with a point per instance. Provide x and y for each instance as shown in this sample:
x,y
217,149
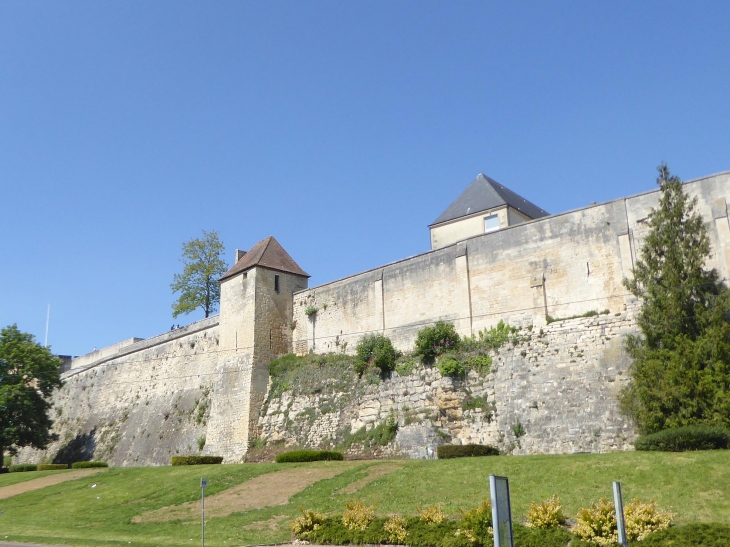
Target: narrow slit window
x,y
276,283
491,223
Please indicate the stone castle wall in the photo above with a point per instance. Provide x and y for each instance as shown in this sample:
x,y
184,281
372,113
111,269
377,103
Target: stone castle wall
x,y
559,266
559,382
140,402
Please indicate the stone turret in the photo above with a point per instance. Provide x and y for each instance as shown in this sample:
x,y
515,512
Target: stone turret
x,y
255,328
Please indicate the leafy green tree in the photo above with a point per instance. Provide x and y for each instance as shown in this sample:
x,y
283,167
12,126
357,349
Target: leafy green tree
x,y
681,369
198,284
28,375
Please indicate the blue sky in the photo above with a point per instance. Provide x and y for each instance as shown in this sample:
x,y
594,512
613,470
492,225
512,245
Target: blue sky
x,y
341,128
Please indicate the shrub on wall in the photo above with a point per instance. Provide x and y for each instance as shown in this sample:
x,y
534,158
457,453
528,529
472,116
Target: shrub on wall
x,y
23,468
449,365
686,438
437,339
377,350
308,456
446,451
52,466
196,460
86,465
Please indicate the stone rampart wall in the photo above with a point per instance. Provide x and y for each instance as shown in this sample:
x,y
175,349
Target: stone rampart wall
x,y
143,407
559,383
558,266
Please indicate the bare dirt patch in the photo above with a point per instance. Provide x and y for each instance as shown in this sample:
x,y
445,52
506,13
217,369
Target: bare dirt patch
x,y
263,491
373,473
43,482
271,524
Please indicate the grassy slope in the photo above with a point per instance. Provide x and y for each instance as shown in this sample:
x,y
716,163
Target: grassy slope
x,y
695,485
7,479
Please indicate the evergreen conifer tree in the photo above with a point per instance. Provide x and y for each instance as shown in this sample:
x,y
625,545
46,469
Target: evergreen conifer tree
x,y
681,369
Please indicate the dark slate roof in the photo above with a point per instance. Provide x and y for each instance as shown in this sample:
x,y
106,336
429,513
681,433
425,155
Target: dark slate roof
x,y
483,194
269,254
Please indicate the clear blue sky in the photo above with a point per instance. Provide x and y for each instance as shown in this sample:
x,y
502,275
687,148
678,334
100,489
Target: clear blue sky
x,y
341,128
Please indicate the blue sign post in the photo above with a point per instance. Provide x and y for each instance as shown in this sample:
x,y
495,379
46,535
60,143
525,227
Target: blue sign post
x,y
501,511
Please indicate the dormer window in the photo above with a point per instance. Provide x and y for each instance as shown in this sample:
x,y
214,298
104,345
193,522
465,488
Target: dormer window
x,y
491,223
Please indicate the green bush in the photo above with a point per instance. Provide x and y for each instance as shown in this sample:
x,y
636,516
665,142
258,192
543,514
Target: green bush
x,y
446,451
308,456
377,350
437,339
7,461
541,537
196,460
85,465
23,468
331,531
685,438
51,466
690,535
449,365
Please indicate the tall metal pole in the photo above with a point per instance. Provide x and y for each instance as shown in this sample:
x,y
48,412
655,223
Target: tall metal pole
x,y
618,502
203,484
48,319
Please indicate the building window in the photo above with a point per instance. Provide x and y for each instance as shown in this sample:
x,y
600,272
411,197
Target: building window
x,y
276,283
491,223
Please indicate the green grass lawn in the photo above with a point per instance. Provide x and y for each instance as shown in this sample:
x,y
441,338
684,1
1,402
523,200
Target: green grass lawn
x,y
696,485
7,479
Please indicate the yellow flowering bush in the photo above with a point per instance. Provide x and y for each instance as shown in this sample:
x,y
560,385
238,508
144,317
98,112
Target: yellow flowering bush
x,y
643,518
308,522
597,523
547,514
357,516
395,527
476,524
432,514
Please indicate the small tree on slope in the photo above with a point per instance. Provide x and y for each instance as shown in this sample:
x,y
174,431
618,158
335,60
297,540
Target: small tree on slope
x,y
28,375
681,369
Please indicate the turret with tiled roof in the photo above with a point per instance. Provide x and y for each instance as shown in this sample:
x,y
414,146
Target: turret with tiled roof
x,y
267,253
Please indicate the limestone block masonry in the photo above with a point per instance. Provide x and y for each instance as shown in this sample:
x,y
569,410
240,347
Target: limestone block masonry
x,y
202,389
553,392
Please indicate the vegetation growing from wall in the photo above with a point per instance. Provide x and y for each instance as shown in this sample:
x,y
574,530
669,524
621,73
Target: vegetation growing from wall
x,y
681,370
380,435
471,352
436,339
376,350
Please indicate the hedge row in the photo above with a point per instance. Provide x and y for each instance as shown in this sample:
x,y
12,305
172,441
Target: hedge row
x,y
52,466
85,465
196,460
446,451
683,439
422,534
308,456
23,468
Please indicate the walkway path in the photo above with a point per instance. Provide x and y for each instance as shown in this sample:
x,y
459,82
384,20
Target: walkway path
x,y
42,482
